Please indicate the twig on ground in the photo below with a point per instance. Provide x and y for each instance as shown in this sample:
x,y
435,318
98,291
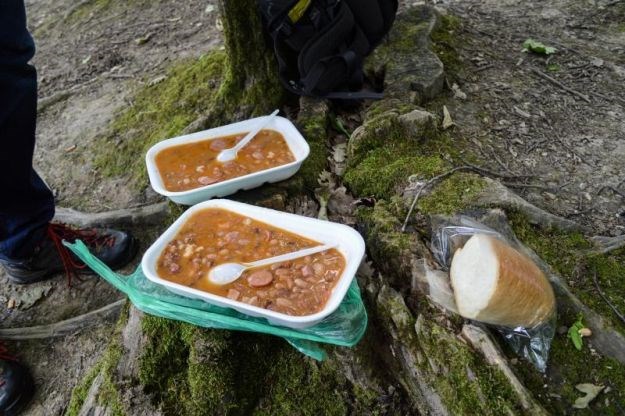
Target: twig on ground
x,y
493,174
62,328
567,147
484,68
605,298
529,185
611,188
559,84
75,7
430,183
46,102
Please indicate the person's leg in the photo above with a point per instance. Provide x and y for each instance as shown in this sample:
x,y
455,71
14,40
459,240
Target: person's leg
x,y
27,205
31,248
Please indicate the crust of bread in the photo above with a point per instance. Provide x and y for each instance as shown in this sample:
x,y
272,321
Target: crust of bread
x,y
523,296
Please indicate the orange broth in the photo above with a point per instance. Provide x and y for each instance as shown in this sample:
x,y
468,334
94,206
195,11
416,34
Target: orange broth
x,y
194,165
215,236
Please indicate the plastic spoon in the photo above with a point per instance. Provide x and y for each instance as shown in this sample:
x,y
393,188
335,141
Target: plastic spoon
x,y
229,272
227,155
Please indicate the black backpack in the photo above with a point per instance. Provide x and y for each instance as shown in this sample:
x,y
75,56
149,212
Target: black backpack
x,y
320,45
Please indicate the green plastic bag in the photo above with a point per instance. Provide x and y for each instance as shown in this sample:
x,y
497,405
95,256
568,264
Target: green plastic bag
x,y
345,327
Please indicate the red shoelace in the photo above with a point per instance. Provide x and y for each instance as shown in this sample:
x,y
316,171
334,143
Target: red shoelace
x,y
58,232
7,356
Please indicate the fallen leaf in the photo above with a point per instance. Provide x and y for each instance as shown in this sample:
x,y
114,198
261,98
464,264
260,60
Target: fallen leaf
x,y
339,155
338,125
11,303
522,113
144,39
591,392
157,80
553,67
537,47
598,62
29,297
340,151
458,93
447,121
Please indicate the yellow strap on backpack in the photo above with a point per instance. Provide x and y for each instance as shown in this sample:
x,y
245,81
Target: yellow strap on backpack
x,y
298,10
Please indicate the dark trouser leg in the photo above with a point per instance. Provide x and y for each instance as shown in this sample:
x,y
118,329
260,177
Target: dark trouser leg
x,y
26,203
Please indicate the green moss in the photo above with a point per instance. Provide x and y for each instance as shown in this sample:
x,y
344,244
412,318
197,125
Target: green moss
x,y
406,32
314,129
194,371
79,393
108,393
558,248
459,375
158,112
465,383
299,386
568,254
610,270
446,42
163,363
568,367
385,170
452,195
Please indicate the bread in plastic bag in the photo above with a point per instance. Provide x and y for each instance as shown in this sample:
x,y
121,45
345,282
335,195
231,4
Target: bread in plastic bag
x,y
521,307
344,327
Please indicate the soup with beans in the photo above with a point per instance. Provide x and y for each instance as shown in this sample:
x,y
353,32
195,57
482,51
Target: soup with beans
x,y
215,236
194,165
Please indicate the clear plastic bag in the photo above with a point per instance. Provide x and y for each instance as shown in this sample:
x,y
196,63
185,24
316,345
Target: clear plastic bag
x,y
531,343
345,327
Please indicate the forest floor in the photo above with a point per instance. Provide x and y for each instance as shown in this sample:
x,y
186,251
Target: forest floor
x,y
91,58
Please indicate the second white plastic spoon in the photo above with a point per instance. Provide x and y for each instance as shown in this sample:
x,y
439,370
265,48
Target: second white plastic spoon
x,y
227,155
229,272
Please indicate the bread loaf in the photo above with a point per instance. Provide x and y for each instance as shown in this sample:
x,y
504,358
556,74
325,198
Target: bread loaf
x,y
496,284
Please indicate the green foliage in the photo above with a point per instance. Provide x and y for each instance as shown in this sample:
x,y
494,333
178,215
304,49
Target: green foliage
x,y
573,333
532,45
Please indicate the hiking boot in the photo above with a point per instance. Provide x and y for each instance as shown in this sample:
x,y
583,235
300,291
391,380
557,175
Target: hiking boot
x,y
16,384
114,248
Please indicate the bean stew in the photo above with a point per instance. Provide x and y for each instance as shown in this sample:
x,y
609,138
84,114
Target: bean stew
x,y
215,236
194,165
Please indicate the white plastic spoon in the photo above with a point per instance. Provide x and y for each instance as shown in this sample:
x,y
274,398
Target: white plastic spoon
x,y
229,272
227,155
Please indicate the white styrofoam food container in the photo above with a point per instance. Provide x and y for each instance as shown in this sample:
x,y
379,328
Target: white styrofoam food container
x,y
297,144
349,243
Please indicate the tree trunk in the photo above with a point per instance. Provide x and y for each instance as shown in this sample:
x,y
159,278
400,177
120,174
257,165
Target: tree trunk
x,y
250,85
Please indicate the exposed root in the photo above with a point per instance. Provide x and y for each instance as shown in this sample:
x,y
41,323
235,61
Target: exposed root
x,y
483,342
605,298
497,194
145,215
63,328
607,244
50,100
561,85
